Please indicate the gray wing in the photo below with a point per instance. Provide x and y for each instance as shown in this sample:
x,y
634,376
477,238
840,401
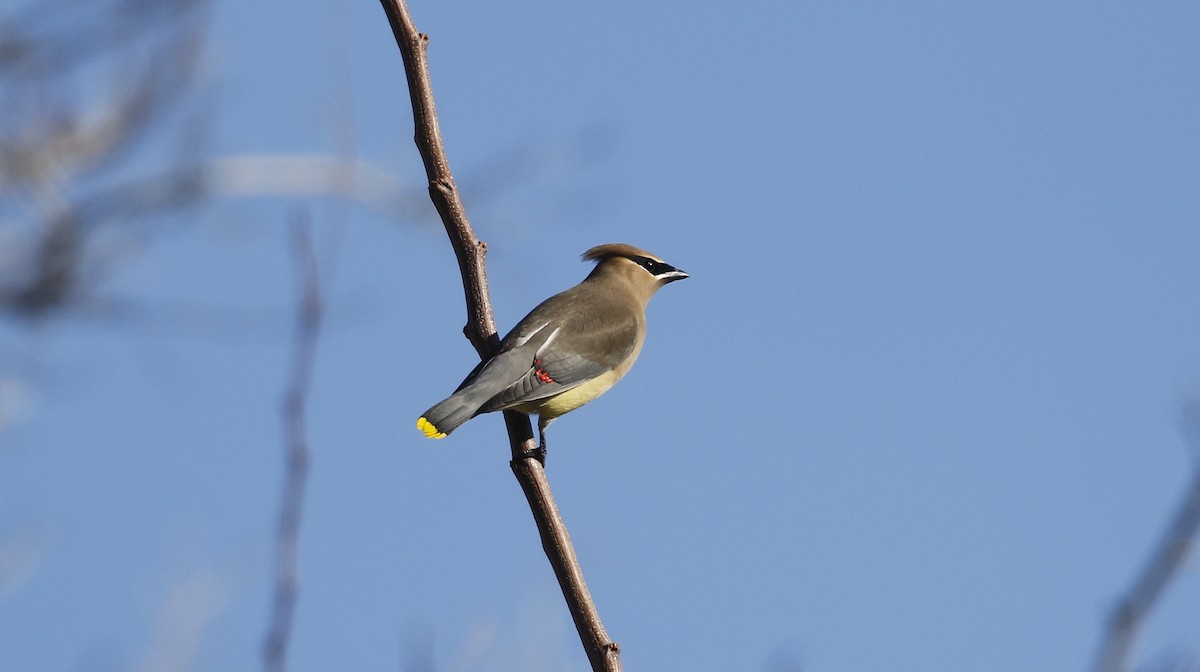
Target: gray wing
x,y
548,364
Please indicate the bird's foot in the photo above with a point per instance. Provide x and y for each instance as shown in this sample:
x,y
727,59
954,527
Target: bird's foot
x,y
538,454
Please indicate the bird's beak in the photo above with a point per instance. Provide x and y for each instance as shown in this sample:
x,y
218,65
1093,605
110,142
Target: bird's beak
x,y
672,276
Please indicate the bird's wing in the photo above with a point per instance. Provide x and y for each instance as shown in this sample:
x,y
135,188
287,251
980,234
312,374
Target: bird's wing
x,y
549,368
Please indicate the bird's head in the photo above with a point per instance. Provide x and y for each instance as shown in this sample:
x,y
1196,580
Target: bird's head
x,y
644,272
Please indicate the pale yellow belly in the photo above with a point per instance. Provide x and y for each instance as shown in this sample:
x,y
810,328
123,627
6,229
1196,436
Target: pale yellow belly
x,y
548,409
573,398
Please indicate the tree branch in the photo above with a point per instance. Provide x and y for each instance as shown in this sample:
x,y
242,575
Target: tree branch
x,y
296,454
1162,565
602,652
481,324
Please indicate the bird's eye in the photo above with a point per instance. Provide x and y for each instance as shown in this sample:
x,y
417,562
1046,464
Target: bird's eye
x,y
652,266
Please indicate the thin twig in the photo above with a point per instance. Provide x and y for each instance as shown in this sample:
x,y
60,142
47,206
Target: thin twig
x,y
481,323
602,652
1163,564
296,452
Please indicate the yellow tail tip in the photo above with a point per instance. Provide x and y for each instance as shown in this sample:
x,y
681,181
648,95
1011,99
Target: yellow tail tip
x,y
430,431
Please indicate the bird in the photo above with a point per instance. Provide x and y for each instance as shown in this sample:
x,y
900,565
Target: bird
x,y
570,349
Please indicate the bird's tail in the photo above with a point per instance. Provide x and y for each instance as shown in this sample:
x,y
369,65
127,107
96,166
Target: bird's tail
x,y
488,379
448,414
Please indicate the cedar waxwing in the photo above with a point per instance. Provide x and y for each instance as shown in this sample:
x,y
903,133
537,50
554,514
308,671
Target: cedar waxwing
x,y
567,351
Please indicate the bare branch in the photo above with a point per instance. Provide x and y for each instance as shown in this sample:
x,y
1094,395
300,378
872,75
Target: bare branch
x,y
296,453
1163,564
481,323
602,652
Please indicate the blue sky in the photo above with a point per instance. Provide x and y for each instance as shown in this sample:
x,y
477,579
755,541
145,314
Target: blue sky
x,y
916,409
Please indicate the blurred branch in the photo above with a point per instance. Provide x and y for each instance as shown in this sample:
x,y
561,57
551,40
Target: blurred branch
x,y
52,268
66,131
40,39
602,652
68,113
1163,564
296,453
79,91
318,175
190,607
253,175
57,126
